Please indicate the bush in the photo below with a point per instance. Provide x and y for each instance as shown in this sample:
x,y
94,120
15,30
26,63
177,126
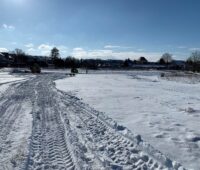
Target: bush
x,y
162,75
35,68
74,70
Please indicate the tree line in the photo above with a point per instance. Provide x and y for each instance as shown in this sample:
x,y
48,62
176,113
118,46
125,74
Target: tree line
x,y
192,63
21,59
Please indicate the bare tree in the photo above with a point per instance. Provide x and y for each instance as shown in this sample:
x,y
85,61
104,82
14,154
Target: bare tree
x,y
19,52
195,57
20,57
194,61
167,58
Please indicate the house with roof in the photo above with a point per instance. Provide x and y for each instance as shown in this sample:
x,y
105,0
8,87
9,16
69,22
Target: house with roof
x,y
5,59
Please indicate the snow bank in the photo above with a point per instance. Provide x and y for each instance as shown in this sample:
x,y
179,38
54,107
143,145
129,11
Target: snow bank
x,y
6,76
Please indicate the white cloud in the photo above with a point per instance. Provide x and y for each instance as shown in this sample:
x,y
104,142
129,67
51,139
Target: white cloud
x,y
140,49
14,43
77,49
3,49
110,54
194,49
45,49
115,46
111,46
30,45
8,27
36,51
49,47
31,50
79,52
182,47
63,49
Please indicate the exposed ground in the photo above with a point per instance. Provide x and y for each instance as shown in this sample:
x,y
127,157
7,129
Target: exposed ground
x,y
44,128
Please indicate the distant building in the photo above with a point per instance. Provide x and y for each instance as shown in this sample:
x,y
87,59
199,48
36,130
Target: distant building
x,y
4,60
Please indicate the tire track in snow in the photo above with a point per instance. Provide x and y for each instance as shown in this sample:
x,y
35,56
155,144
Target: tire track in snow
x,y
48,149
114,149
14,116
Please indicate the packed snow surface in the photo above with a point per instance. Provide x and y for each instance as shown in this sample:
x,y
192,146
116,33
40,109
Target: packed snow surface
x,y
15,121
165,111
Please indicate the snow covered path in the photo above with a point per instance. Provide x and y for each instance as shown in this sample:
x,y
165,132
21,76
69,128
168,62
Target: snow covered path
x,y
64,133
15,125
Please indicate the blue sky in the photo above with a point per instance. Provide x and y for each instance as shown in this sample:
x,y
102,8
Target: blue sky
x,y
101,28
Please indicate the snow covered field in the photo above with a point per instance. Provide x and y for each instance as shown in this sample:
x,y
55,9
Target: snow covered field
x,y
165,112
42,127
